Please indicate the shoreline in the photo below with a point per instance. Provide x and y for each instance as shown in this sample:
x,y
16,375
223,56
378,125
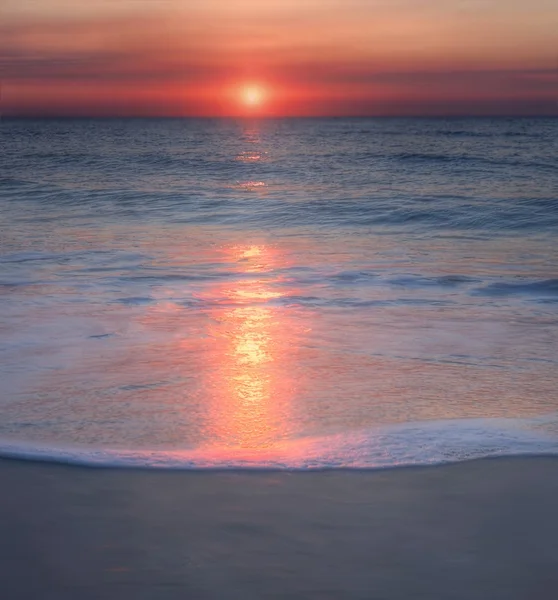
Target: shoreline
x,y
262,470
484,528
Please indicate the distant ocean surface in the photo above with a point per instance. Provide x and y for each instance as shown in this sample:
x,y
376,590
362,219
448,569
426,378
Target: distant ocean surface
x,y
289,293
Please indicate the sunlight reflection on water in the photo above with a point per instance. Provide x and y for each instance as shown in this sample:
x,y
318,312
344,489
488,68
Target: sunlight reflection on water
x,y
251,355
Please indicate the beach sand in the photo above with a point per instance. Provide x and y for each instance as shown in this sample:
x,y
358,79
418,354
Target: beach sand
x,y
486,529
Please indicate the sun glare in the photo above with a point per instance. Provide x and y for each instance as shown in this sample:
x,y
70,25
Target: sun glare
x,y
252,95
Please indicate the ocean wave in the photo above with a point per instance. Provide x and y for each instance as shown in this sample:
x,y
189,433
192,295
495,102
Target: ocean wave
x,y
444,281
243,207
402,445
544,288
465,158
13,182
478,134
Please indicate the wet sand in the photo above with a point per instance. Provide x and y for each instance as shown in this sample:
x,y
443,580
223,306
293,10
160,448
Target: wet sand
x,y
481,530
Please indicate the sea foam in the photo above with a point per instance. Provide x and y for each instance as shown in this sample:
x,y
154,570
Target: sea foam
x,y
401,445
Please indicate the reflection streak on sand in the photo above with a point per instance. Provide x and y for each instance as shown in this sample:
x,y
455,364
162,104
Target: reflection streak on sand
x,y
251,354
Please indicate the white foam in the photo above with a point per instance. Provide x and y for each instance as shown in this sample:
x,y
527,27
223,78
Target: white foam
x,y
411,444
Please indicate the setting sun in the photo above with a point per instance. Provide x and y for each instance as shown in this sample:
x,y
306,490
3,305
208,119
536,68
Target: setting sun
x,y
252,95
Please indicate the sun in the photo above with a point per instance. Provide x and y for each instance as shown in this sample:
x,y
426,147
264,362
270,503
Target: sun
x,y
252,95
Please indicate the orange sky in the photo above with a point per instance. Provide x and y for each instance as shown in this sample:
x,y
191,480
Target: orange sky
x,y
312,57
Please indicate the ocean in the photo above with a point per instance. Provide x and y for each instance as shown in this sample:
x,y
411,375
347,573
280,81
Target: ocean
x,y
278,294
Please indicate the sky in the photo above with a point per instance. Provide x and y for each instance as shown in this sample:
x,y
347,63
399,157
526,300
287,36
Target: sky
x,y
279,57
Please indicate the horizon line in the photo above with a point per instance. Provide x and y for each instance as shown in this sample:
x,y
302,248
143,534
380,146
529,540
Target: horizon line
x,y
279,117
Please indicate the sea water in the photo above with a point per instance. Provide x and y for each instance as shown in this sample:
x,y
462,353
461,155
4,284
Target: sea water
x,y
291,293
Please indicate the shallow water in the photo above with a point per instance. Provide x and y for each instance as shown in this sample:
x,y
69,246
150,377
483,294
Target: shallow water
x,y
294,293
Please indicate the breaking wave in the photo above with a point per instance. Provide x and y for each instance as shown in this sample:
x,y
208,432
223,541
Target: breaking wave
x,y
402,445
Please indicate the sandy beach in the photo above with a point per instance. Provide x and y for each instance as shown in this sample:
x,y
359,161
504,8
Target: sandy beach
x,y
483,529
